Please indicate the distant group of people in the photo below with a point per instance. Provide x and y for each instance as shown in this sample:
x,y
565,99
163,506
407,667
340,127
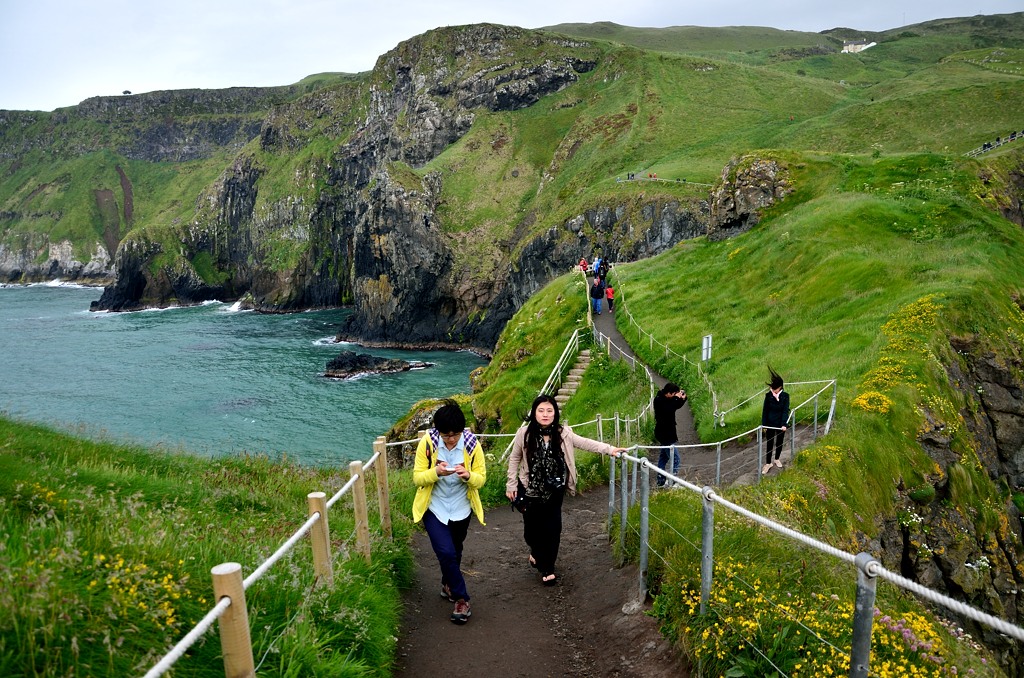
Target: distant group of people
x,y
989,145
449,471
600,289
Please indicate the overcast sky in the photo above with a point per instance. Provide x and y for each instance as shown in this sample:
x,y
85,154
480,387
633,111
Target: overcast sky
x,y
56,53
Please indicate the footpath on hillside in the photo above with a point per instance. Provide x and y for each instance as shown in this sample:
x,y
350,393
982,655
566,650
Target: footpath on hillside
x,y
591,624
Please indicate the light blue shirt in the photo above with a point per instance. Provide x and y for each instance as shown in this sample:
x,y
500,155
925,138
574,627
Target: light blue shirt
x,y
449,502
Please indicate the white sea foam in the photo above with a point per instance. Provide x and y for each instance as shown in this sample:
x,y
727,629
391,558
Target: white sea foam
x,y
329,341
57,282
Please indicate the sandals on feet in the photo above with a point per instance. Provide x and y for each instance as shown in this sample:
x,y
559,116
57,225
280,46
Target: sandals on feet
x,y
549,582
533,563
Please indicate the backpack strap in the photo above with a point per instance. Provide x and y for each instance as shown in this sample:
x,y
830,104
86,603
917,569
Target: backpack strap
x,y
469,442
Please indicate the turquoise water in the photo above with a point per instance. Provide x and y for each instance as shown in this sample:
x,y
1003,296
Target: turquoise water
x,y
208,379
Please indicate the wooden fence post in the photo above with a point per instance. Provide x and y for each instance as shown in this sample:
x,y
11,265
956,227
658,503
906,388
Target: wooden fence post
x,y
320,535
355,468
235,642
383,491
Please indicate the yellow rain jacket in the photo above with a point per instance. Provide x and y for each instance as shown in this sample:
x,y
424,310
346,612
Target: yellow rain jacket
x,y
424,473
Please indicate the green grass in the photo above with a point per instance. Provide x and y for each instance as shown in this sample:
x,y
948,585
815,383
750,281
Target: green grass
x,y
862,275
889,247
653,104
108,549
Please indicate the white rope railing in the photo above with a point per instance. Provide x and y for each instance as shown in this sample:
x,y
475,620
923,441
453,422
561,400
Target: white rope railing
x,y
873,568
182,646
280,552
652,341
828,383
168,660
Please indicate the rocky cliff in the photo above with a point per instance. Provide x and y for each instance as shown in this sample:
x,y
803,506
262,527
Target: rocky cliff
x,y
355,226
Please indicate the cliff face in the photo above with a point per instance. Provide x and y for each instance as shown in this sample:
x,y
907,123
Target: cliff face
x,y
355,227
935,538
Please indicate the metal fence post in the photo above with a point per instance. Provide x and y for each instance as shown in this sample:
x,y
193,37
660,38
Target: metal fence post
x,y
235,642
383,490
355,468
832,407
636,475
792,439
623,509
760,450
718,466
815,417
645,525
707,548
320,536
611,492
616,429
863,617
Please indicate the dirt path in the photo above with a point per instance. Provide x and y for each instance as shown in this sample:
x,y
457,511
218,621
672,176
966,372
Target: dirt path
x,y
521,628
589,625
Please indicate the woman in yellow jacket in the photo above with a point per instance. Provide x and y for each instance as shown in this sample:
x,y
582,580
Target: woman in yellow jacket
x,y
449,471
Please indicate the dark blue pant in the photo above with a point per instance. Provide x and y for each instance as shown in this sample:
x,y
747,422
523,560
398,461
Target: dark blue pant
x,y
447,540
596,304
663,462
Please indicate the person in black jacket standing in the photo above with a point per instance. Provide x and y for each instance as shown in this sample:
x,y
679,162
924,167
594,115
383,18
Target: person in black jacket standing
x,y
775,417
669,399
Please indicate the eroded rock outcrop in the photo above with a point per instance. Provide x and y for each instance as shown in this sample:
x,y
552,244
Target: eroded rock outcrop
x,y
747,187
22,264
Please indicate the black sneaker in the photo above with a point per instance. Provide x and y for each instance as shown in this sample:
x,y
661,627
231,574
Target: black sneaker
x,y
462,612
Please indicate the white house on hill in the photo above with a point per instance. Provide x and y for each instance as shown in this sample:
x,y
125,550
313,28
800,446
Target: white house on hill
x,y
852,46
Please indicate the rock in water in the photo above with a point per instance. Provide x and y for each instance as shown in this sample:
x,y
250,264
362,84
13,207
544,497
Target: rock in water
x,y
349,364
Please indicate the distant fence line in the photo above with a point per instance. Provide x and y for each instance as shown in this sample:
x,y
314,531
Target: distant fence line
x,y
620,290
651,176
990,145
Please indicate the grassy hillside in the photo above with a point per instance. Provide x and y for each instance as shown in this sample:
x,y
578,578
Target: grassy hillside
x,y
677,102
877,271
107,553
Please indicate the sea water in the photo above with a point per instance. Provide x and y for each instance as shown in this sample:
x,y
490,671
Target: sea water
x,y
208,379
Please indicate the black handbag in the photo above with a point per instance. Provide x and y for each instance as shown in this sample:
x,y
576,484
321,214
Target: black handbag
x,y
519,503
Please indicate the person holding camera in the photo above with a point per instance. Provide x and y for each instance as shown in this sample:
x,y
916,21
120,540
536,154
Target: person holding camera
x,y
541,469
448,473
669,399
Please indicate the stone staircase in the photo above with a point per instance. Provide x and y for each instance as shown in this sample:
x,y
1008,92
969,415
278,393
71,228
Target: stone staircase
x,y
572,381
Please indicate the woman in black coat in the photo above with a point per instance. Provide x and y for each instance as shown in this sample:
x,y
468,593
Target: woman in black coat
x,y
775,418
669,399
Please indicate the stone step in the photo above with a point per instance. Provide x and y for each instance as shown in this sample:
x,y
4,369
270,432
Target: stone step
x,y
561,399
576,372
